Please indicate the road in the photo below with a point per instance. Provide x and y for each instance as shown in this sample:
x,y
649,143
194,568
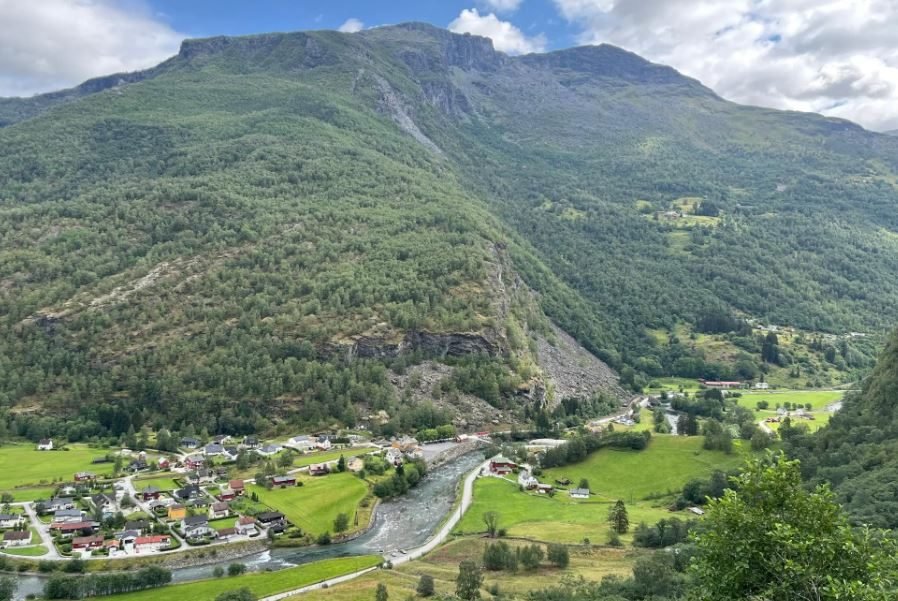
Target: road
x,y
44,531
467,497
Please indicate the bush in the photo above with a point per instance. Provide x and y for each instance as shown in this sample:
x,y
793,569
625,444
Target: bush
x,y
218,572
324,538
425,586
558,555
236,569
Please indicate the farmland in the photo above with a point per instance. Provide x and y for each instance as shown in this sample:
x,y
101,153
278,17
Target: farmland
x,y
261,583
22,464
590,562
162,483
314,505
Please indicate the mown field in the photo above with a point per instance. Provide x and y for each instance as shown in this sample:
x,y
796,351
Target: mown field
x,y
646,480
314,505
323,457
162,483
818,399
591,563
261,584
23,464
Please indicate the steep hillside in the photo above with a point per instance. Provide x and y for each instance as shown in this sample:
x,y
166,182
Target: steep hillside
x,y
275,227
858,451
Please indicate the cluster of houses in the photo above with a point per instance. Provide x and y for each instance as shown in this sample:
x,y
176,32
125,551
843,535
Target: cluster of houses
x,y
502,467
15,530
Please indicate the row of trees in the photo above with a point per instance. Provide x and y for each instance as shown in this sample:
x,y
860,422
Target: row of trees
x,y
59,586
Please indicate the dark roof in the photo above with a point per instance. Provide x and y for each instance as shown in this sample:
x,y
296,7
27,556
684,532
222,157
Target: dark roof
x,y
14,535
195,520
5,517
137,525
270,516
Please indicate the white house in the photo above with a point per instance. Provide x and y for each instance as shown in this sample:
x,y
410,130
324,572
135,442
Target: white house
x,y
45,444
8,520
15,538
269,450
394,456
323,443
762,386
246,525
579,493
526,479
301,443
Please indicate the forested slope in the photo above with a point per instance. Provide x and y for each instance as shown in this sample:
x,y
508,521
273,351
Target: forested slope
x,y
858,451
261,227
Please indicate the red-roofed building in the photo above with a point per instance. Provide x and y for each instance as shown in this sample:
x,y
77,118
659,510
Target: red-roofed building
x,y
237,486
153,542
721,384
88,543
72,528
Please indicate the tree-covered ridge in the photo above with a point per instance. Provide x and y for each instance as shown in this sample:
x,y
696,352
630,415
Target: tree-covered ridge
x,y
856,452
216,236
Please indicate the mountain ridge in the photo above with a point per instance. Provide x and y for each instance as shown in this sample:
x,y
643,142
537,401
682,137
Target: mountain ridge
x,y
274,192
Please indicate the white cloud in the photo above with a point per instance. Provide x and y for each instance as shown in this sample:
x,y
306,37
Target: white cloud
x,y
351,26
52,44
838,57
506,37
502,6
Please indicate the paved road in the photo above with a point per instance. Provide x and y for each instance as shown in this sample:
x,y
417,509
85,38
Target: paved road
x,y
467,497
44,531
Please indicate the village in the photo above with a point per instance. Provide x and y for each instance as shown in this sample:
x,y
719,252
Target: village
x,y
171,502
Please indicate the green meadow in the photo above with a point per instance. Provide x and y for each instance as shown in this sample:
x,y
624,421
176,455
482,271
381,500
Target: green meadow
x,y
665,465
23,464
262,584
646,480
162,483
314,505
326,456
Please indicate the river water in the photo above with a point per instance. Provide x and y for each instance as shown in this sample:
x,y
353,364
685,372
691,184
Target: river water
x,y
403,523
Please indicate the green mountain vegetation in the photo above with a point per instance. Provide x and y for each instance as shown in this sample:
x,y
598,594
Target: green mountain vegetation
x,y
267,229
856,452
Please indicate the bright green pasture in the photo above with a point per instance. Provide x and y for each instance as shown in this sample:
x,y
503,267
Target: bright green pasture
x,y
326,456
314,505
262,584
557,518
664,466
818,399
23,464
162,483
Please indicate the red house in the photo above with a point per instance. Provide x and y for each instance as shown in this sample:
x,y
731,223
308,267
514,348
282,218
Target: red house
x,y
284,480
150,493
71,528
88,543
194,462
164,463
502,466
85,476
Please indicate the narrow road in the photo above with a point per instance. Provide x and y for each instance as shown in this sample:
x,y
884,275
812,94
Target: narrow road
x,y
44,531
467,497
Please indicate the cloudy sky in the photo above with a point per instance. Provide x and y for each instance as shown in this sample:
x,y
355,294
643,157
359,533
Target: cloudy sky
x,y
837,57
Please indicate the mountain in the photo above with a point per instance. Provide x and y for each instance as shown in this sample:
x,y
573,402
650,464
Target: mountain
x,y
315,227
857,453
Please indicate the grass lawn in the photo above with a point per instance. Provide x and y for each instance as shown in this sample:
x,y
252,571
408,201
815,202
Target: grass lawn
x,y
321,457
30,494
661,469
162,483
558,518
442,565
35,551
664,466
818,399
314,505
262,584
22,464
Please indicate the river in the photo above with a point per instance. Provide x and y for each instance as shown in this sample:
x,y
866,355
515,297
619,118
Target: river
x,y
403,523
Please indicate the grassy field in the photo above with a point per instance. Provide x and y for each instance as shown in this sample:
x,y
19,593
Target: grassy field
x,y
261,584
22,464
659,472
559,518
162,483
819,400
322,457
35,551
30,494
442,565
314,505
666,465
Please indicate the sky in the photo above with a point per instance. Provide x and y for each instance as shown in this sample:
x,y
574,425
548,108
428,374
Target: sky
x,y
836,57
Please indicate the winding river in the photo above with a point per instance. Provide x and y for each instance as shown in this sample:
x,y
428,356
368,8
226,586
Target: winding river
x,y
403,523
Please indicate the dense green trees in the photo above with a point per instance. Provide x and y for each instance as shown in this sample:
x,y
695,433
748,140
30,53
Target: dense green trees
x,y
772,539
